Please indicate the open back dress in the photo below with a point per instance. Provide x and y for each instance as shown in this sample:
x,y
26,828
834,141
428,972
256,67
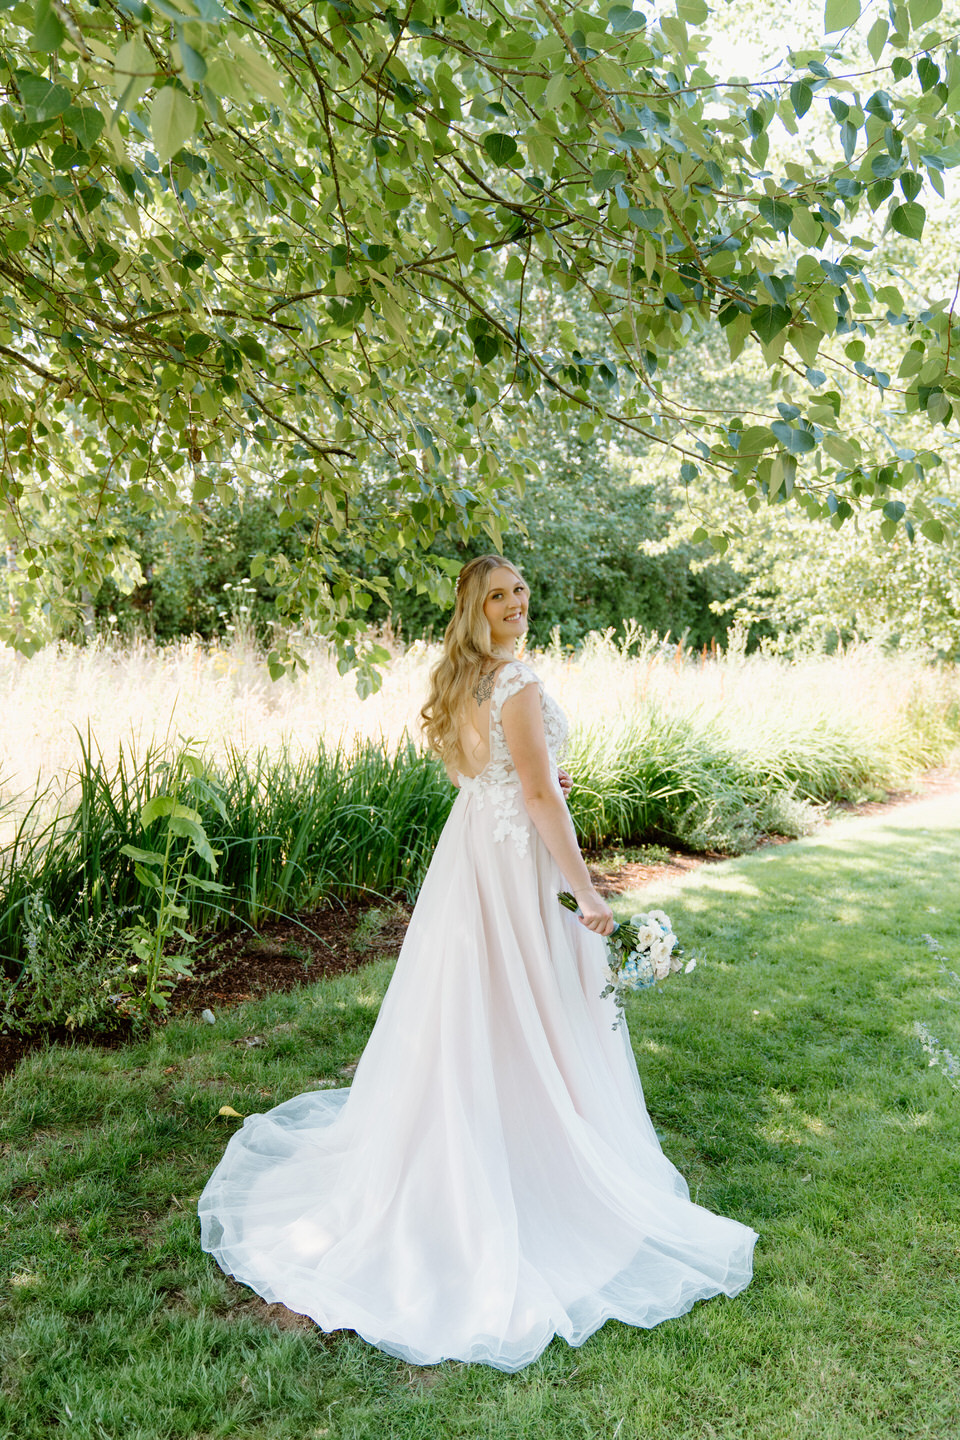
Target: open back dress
x,y
491,1177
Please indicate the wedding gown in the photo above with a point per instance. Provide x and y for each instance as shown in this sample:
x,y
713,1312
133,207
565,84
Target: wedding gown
x,y
491,1178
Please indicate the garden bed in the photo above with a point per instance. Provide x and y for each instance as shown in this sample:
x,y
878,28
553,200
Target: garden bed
x,y
290,951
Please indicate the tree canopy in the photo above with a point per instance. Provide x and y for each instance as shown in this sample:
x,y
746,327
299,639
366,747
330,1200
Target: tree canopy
x,y
311,244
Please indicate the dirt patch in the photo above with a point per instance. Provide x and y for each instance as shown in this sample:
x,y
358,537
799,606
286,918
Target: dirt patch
x,y
14,1047
285,953
615,880
276,1315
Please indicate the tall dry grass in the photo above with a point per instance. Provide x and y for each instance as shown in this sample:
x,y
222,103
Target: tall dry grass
x,y
137,697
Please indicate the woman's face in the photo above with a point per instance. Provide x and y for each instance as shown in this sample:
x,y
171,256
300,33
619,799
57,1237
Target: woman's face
x,y
506,607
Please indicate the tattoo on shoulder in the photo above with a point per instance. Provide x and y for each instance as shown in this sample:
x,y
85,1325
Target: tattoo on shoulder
x,y
484,687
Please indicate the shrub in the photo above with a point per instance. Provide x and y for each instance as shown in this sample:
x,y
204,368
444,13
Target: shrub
x,y
72,968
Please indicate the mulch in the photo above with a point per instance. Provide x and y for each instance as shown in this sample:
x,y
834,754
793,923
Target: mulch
x,y
295,950
282,954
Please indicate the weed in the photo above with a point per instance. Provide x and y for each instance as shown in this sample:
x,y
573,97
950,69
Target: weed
x,y
72,975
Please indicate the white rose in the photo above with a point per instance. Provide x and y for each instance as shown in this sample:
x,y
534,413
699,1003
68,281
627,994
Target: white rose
x,y
660,959
647,936
660,919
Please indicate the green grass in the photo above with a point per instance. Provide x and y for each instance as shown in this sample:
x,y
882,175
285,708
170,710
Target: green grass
x,y
790,1089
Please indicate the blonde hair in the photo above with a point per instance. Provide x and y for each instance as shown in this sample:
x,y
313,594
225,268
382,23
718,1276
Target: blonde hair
x,y
467,648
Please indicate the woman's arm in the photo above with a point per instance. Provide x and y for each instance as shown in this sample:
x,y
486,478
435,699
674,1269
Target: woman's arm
x,y
523,731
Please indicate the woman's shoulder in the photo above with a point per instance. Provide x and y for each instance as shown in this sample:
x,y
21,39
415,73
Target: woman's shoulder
x,y
512,677
516,668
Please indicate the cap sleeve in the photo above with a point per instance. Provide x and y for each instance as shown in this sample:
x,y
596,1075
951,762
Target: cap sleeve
x,y
514,677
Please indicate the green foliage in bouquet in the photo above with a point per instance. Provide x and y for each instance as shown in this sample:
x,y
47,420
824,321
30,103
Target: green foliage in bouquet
x,y
642,951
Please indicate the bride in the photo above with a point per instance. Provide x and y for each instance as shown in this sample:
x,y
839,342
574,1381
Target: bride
x,y
491,1178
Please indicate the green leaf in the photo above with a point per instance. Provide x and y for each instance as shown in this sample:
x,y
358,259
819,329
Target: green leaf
x,y
257,71
486,347
848,139
251,347
623,18
501,148
798,442
894,509
927,72
840,15
607,179
777,214
133,70
86,122
211,887
173,119
194,65
42,100
645,219
908,219
769,320
879,104
933,530
48,31
877,38
135,853
192,830
197,345
154,809
801,97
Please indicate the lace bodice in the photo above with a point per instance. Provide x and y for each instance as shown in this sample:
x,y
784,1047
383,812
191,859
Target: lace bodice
x,y
498,781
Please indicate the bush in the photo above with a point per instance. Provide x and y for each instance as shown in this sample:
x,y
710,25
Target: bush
x,y
72,966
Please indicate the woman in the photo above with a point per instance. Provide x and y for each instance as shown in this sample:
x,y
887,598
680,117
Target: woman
x,y
491,1177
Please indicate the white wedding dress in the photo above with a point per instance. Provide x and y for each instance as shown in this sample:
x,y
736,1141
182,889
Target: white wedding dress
x,y
491,1177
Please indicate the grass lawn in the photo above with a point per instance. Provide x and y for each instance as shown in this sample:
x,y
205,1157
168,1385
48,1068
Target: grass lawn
x,y
789,1086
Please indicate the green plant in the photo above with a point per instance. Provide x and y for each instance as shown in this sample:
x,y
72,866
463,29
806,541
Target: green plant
x,y
937,1051
72,975
633,855
166,880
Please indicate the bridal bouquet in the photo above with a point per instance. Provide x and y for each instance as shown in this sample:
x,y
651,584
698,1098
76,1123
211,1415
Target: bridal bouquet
x,y
642,950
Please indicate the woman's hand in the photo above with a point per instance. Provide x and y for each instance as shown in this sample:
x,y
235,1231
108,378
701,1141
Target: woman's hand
x,y
595,913
566,783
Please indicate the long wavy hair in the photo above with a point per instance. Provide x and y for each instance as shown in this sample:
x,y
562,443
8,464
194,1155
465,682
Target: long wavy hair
x,y
467,651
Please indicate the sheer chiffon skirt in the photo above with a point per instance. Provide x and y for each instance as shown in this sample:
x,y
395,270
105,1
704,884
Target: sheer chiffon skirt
x,y
491,1178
